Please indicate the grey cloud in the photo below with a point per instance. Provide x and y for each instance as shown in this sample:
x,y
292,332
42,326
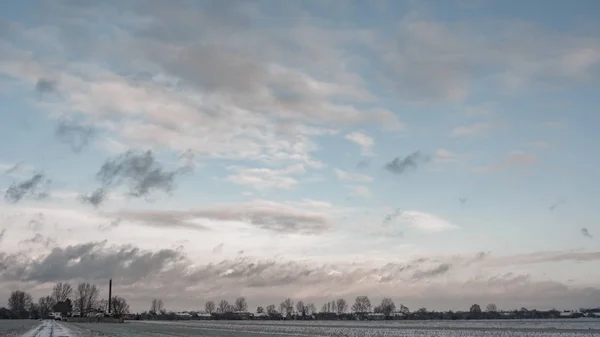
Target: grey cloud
x,y
401,165
15,168
462,200
111,225
93,261
426,274
39,239
2,233
218,248
585,232
95,198
363,164
270,216
137,170
35,187
544,257
76,135
45,85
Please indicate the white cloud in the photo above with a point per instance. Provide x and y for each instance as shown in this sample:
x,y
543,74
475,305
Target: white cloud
x,y
446,156
361,191
538,144
353,176
472,129
265,178
425,222
365,142
512,161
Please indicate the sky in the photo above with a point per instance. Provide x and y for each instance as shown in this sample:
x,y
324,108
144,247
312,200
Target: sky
x,y
439,153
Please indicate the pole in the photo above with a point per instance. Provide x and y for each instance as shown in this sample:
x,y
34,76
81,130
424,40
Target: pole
x,y
109,294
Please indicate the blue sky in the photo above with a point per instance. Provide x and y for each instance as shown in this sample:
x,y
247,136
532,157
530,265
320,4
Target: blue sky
x,y
271,128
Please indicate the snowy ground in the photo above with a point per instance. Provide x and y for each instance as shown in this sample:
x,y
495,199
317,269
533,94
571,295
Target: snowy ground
x,y
349,329
49,328
16,327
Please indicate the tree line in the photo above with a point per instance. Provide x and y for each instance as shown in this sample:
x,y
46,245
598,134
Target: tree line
x,y
340,309
64,299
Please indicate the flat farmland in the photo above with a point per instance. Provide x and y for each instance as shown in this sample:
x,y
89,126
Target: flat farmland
x,y
15,327
514,328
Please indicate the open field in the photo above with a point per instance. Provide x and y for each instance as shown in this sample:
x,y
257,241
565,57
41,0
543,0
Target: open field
x,y
15,327
532,328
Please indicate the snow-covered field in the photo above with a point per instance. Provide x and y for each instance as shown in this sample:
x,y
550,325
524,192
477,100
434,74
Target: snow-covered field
x,y
530,328
15,327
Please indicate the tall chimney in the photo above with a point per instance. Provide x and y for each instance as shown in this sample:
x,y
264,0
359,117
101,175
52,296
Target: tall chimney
x,y
109,294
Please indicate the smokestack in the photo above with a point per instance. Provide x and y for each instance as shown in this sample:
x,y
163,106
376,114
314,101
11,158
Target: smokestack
x,y
109,294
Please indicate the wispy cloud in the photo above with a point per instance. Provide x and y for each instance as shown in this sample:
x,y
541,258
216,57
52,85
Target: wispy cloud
x,y
446,156
365,142
35,187
513,161
76,135
473,129
585,232
361,191
353,176
265,178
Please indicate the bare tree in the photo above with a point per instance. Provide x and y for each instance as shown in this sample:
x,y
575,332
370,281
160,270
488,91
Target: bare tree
x,y
119,306
271,310
240,304
260,310
342,305
209,307
87,295
301,308
362,304
19,303
404,309
157,306
324,307
286,307
333,306
311,309
491,307
223,306
62,291
387,306
45,305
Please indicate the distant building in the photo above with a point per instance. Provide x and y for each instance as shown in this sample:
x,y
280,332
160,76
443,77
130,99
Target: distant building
x,y
183,315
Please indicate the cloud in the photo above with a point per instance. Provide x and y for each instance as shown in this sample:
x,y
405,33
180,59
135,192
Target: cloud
x,y
265,178
39,239
425,274
111,225
559,202
218,248
554,124
137,170
446,156
363,164
472,129
399,166
351,176
361,191
35,187
513,161
77,136
365,142
95,198
44,85
585,232
2,233
425,222
538,144
268,215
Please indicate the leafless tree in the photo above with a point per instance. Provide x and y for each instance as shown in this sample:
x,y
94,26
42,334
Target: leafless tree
x,y
404,309
87,295
223,306
119,306
157,306
101,305
45,305
387,306
19,303
311,309
362,304
260,310
342,305
301,308
491,307
271,310
286,307
324,307
209,307
240,304
62,291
